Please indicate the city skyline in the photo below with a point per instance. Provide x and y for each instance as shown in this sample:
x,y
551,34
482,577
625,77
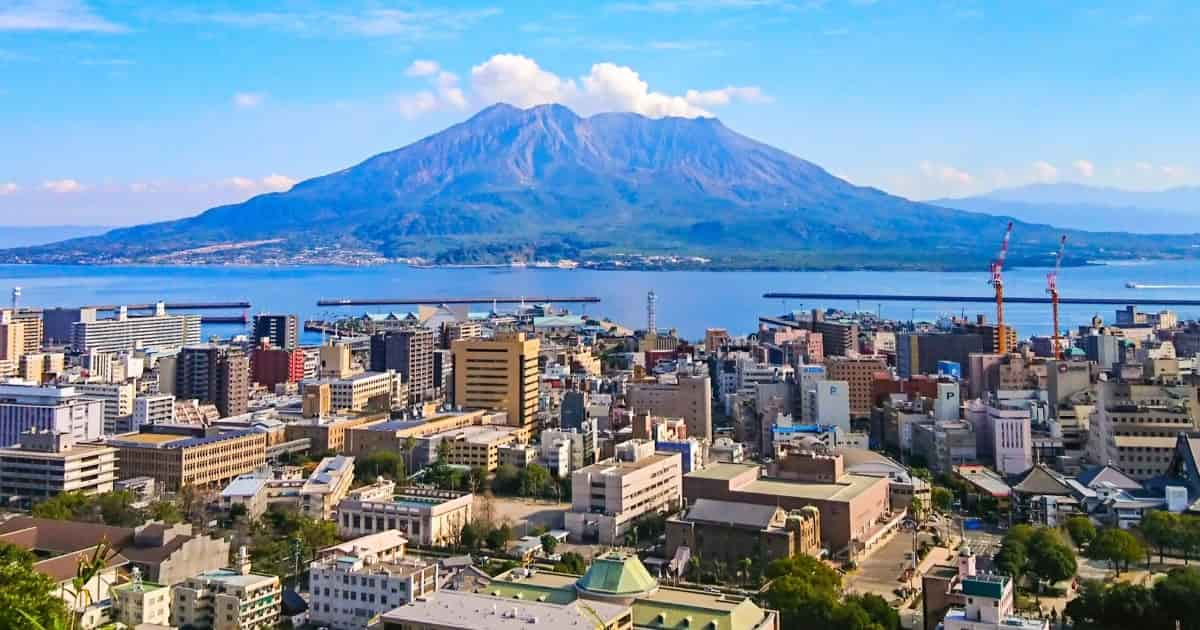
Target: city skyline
x,y
118,115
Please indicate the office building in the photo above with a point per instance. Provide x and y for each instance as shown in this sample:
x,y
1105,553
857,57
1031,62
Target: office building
x,y
55,409
41,367
200,458
326,487
153,409
409,353
499,374
328,433
12,338
859,374
425,516
584,449
829,404
272,366
118,403
608,497
282,331
357,580
46,463
681,395
138,603
728,532
228,599
1135,424
352,393
126,332
573,409
214,374
920,353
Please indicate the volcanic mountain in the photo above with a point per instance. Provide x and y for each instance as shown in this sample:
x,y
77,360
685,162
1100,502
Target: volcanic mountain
x,y
544,182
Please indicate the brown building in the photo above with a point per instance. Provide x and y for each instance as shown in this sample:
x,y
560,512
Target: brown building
x,y
195,459
838,338
859,373
329,434
855,510
499,374
214,374
728,532
272,366
688,397
393,435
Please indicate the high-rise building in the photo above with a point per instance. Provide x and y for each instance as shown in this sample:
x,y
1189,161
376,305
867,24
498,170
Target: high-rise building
x,y
214,374
1135,424
118,403
56,409
573,410
125,332
282,330
500,374
153,409
271,366
408,351
859,375
31,323
688,396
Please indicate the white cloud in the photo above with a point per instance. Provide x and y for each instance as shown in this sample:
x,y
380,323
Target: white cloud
x,y
1174,170
417,104
1044,171
240,183
8,188
54,15
1144,167
675,6
275,181
62,186
520,81
422,68
1084,168
946,174
248,100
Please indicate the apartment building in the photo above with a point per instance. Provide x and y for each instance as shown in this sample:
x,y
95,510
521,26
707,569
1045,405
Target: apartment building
x,y
358,392
118,403
281,331
47,463
1135,424
500,374
228,599
153,409
357,580
12,338
859,374
214,374
40,367
681,395
609,497
409,353
125,332
139,602
200,458
428,517
55,409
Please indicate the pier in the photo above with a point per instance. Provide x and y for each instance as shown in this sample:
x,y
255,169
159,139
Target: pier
x,y
532,299
981,299
171,306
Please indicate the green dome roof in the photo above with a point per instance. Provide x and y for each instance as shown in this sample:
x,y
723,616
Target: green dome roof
x,y
617,575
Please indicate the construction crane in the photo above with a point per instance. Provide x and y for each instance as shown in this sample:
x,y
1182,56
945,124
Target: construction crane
x,y
1052,289
998,282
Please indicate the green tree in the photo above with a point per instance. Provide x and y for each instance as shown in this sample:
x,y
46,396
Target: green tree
x,y
572,563
1162,530
878,610
377,464
470,537
1175,597
549,543
533,480
942,498
497,539
1116,546
26,592
1052,563
1081,530
64,506
167,512
116,509
507,480
1012,559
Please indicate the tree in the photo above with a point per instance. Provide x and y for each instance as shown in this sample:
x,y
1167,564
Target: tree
x,y
167,512
64,506
116,509
878,610
236,511
507,480
377,464
26,593
572,563
1012,558
1175,597
1116,546
942,498
1081,530
497,539
533,480
470,537
1052,563
475,478
549,543
917,509
1162,530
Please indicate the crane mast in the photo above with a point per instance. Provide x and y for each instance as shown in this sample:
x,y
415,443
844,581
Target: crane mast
x,y
1052,289
997,282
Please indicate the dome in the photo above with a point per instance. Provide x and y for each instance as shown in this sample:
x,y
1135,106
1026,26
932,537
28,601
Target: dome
x,y
616,575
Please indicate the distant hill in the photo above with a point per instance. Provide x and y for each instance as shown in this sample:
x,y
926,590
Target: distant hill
x,y
545,183
27,236
1171,211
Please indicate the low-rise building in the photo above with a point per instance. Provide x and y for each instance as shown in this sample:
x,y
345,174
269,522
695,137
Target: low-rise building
x,y
228,599
326,487
729,532
609,497
353,583
139,602
199,458
45,464
428,517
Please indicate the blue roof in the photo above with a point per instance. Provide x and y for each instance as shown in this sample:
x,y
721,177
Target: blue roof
x,y
804,428
200,441
244,486
558,321
395,425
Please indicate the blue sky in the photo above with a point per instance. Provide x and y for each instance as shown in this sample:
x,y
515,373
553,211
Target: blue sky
x,y
123,112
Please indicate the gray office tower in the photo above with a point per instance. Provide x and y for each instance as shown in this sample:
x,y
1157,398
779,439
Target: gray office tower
x,y
410,353
574,410
214,374
282,330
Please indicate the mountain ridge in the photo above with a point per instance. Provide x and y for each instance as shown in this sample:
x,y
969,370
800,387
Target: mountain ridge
x,y
543,182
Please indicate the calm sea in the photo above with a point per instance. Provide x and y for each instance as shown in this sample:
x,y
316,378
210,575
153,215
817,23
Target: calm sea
x,y
688,301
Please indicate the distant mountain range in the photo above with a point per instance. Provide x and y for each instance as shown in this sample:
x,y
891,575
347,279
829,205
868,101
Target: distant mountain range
x,y
1171,211
544,183
27,236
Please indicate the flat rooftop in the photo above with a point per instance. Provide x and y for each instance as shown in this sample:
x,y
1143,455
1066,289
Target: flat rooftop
x,y
619,468
148,438
477,611
845,489
724,472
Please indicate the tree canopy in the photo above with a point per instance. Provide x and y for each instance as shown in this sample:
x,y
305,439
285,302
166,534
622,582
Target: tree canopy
x,y
807,593
26,590
1118,547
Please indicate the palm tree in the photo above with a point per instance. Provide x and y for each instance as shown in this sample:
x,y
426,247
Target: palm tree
x,y
745,565
88,569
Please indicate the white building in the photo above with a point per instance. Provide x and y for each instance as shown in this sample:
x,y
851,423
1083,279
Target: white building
x,y
153,409
354,582
228,599
584,449
808,377
989,604
47,463
55,409
831,404
608,497
118,404
125,332
948,405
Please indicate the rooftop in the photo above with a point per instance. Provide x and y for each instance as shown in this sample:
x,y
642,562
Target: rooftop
x,y
723,472
477,611
154,439
233,578
620,468
617,574
845,489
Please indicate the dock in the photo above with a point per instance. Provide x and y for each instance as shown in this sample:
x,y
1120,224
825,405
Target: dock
x,y
529,299
981,299
172,306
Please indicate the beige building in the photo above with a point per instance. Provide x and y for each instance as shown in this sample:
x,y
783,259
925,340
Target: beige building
x,y
426,516
326,487
480,445
360,579
118,402
728,532
37,367
47,463
677,396
32,326
609,497
394,435
140,602
12,338
202,461
859,374
228,599
499,373
329,433
353,393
